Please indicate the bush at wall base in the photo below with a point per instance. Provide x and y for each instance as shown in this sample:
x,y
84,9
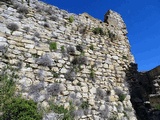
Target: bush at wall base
x,y
20,109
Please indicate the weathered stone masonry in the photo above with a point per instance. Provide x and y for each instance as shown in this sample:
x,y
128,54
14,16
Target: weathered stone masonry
x,y
61,57
145,92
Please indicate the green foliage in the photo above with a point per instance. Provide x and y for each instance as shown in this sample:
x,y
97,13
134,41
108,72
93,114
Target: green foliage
x,y
7,84
62,48
55,75
7,88
85,105
20,109
53,46
82,53
58,109
14,107
71,19
98,30
92,73
91,47
61,110
121,97
157,106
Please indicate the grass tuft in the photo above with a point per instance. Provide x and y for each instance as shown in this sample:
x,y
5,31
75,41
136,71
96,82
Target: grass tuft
x,y
53,46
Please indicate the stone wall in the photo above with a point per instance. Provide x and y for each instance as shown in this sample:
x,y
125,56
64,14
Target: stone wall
x,y
145,92
154,72
63,57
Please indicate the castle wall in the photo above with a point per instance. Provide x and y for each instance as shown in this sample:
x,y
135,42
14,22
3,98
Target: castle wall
x,y
63,57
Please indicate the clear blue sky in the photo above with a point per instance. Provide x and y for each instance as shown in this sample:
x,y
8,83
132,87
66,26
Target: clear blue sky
x,y
142,18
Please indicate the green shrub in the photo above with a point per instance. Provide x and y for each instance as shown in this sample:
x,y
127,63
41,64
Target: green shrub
x,y
7,87
92,74
98,30
53,46
55,75
15,108
62,49
71,19
58,109
61,110
157,106
121,97
91,47
20,109
85,105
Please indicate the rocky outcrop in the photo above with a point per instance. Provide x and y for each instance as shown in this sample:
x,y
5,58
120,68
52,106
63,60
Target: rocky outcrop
x,y
62,57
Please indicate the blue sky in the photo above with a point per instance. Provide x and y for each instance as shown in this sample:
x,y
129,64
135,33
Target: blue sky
x,y
142,18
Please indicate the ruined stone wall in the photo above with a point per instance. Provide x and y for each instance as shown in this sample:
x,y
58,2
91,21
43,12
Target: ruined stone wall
x,y
63,57
154,72
144,92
